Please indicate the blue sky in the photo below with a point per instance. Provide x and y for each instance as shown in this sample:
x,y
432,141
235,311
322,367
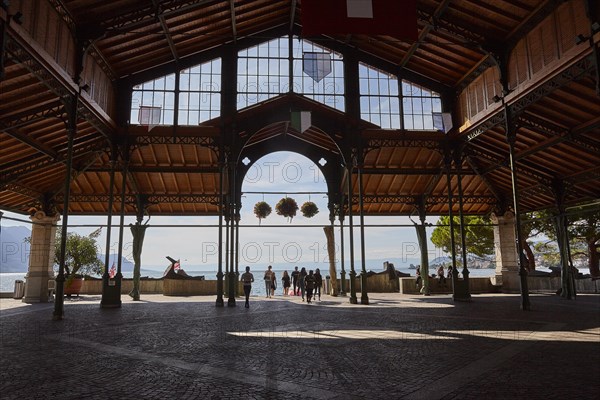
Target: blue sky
x,y
269,243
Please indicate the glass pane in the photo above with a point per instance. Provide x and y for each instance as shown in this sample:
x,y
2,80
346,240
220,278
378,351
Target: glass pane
x,y
274,67
168,117
376,119
416,106
364,104
418,121
170,82
184,82
384,85
394,87
242,66
384,105
394,105
364,86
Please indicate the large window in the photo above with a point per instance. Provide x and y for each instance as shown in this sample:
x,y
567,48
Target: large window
x,y
329,89
199,93
418,106
263,72
379,101
281,66
153,102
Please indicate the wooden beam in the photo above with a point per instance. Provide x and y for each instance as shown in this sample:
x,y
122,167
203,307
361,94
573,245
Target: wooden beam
x,y
30,141
233,22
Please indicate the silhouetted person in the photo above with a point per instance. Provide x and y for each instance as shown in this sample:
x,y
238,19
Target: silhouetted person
x,y
247,278
295,275
309,284
318,283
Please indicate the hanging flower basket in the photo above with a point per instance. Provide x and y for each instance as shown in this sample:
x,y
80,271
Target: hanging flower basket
x,y
262,210
287,207
309,209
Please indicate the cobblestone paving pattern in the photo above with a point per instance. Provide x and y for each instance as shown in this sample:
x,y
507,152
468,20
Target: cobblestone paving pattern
x,y
396,347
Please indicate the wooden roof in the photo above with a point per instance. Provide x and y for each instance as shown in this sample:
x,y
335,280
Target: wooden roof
x,y
551,89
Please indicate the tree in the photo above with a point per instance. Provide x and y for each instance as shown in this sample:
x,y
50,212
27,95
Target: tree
x,y
533,225
479,235
584,236
81,255
585,229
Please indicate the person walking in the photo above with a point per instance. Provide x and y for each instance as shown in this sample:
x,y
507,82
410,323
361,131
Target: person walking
x,y
318,283
273,283
309,283
418,274
295,275
301,284
247,278
440,273
285,281
268,280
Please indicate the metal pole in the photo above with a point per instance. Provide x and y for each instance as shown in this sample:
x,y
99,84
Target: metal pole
x,y
353,299
463,243
511,137
343,272
364,298
219,301
232,205
422,237
451,223
60,278
111,190
122,215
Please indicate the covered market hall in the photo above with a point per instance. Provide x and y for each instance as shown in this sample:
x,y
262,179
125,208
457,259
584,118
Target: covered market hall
x,y
135,109
420,108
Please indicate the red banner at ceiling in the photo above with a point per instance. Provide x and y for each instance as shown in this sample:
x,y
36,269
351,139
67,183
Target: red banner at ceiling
x,y
396,18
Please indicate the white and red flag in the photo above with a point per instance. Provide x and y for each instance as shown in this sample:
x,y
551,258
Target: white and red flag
x,y
396,18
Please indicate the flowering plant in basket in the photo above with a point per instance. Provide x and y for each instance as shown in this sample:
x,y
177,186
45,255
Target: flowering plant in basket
x,y
287,207
262,210
309,209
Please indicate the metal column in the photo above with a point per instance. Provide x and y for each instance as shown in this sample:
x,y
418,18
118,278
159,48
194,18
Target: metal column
x,y
364,297
511,137
343,271
60,278
353,299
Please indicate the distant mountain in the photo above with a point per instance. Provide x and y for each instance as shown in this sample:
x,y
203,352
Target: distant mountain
x,y
14,252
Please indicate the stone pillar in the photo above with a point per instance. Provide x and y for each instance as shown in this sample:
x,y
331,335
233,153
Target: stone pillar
x,y
507,266
41,258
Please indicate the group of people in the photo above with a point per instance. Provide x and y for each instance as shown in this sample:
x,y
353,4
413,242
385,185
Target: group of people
x,y
302,283
441,276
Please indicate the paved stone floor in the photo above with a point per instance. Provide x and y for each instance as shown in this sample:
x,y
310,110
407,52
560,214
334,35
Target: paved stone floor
x,y
398,347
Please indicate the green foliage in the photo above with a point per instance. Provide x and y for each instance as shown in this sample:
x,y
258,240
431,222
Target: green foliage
x,y
538,223
287,207
583,230
548,253
309,209
262,209
81,256
479,235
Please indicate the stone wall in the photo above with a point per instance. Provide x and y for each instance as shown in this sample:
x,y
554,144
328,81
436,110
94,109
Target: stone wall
x,y
476,285
148,286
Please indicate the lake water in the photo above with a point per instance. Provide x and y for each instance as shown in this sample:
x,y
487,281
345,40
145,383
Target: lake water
x,y
7,280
